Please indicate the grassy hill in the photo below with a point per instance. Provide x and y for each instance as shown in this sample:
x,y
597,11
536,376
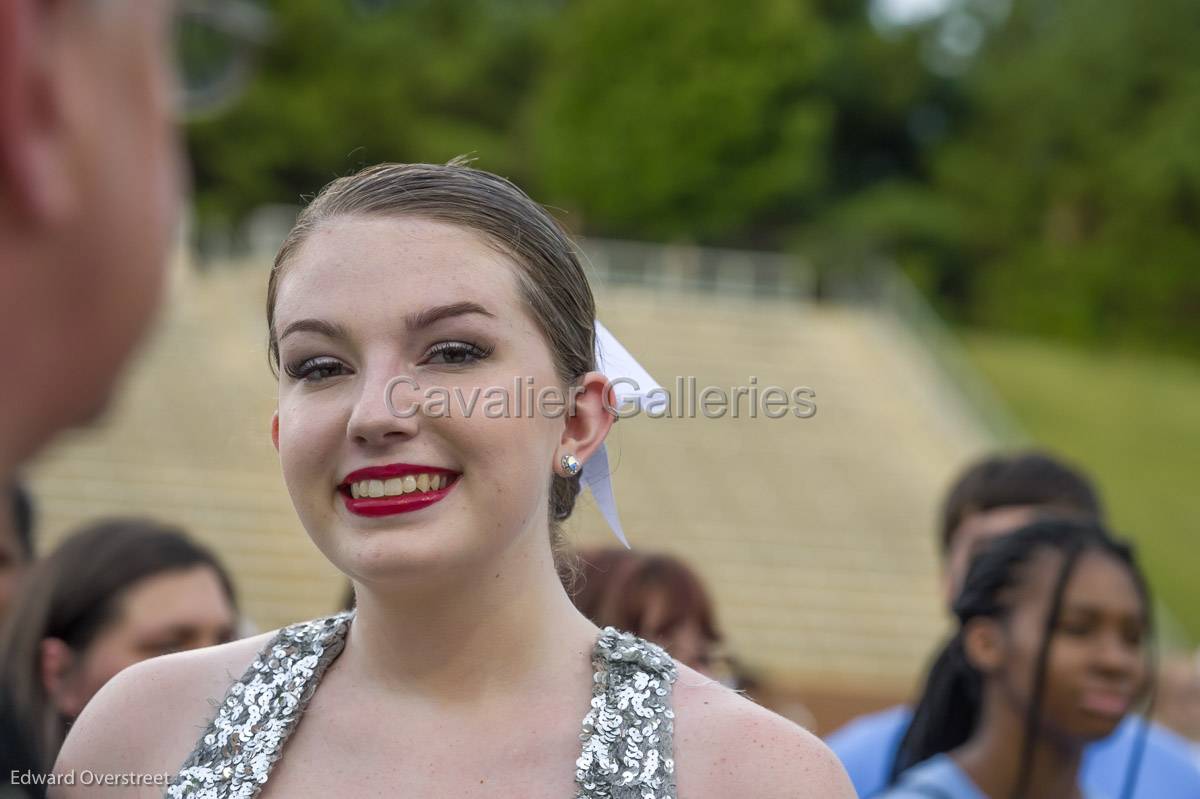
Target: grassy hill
x,y
1133,420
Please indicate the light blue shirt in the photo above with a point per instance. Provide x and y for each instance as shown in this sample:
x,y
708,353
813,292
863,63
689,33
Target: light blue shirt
x,y
940,777
867,746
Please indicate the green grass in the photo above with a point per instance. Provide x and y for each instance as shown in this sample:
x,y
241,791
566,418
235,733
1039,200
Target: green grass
x,y
1133,421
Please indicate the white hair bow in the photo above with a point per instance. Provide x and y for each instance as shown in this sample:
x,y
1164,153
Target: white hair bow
x,y
630,383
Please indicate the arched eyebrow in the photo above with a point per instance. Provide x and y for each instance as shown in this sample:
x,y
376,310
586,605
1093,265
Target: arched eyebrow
x,y
324,328
425,318
412,322
1092,611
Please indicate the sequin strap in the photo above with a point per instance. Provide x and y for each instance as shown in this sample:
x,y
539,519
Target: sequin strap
x,y
627,734
237,750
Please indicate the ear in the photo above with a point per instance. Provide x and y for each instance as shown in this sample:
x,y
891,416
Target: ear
x,y
586,428
983,641
57,661
35,176
275,430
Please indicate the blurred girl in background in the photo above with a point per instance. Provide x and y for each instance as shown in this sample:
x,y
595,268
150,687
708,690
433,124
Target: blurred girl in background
x,y
112,594
656,597
1050,654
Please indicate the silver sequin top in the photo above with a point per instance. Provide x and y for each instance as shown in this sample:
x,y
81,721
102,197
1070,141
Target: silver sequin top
x,y
626,739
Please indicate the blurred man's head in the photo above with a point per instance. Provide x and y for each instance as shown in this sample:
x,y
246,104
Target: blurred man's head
x,y
16,542
89,184
1000,493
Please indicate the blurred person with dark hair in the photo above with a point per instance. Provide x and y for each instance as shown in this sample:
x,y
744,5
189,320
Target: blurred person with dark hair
x,y
1050,652
992,498
16,556
16,543
1000,493
653,596
112,594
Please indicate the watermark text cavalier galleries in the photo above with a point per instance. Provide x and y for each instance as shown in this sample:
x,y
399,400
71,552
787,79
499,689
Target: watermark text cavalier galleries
x,y
89,777
405,398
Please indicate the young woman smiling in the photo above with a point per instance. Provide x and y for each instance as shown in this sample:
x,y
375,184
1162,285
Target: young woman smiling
x,y
1050,655
465,670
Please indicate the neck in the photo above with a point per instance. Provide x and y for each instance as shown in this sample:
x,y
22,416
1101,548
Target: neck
x,y
20,436
29,420
35,395
992,758
502,629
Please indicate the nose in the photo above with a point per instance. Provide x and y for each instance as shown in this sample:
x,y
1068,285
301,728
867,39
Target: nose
x,y
1117,657
386,410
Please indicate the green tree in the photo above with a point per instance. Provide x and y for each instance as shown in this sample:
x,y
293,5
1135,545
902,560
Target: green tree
x,y
342,85
701,122
725,124
1068,203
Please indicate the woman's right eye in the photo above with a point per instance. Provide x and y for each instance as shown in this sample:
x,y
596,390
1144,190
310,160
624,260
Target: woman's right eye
x,y
1076,627
314,370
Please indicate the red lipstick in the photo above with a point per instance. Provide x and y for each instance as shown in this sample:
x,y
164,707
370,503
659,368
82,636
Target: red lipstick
x,y
402,503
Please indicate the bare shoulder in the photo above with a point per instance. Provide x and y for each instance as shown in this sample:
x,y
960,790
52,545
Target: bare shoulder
x,y
148,718
726,745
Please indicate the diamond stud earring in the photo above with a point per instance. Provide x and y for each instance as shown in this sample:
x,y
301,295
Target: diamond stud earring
x,y
570,464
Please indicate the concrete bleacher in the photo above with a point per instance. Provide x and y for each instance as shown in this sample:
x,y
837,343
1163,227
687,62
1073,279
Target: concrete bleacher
x,y
815,535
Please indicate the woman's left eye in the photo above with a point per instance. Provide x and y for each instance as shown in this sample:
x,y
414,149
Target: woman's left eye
x,y
314,370
159,648
1133,635
456,353
1076,628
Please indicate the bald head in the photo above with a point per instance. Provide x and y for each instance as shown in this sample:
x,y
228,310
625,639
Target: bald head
x,y
89,183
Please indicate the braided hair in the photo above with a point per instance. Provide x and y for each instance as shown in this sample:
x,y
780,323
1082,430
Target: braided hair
x,y
951,703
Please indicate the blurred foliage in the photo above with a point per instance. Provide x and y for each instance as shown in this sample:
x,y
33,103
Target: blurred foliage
x,y
703,125
1068,201
1034,168
346,84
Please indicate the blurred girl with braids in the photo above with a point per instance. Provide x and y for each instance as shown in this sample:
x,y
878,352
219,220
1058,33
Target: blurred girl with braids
x,y
1050,654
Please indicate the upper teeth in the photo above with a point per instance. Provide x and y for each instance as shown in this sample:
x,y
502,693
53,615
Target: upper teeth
x,y
396,486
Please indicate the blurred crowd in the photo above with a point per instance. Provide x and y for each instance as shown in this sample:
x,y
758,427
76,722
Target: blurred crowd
x,y
118,591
